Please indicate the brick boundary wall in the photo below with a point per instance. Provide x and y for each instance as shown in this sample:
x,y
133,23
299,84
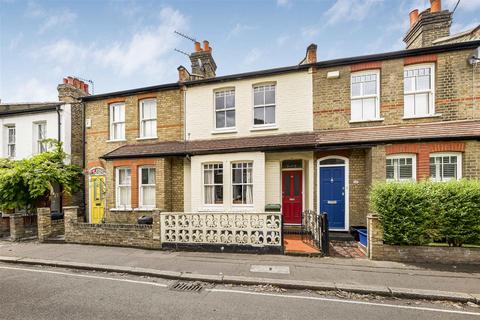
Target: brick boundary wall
x,y
48,228
112,234
4,226
377,250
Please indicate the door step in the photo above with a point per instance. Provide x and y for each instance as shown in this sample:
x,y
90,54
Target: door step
x,y
340,236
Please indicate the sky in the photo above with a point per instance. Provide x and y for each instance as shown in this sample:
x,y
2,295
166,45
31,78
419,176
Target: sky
x,y
130,44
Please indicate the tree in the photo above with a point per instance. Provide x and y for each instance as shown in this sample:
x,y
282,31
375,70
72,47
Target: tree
x,y
25,182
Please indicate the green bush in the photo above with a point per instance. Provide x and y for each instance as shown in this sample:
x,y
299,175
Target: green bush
x,y
419,213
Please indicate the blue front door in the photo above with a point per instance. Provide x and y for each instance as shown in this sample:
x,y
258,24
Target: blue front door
x,y
332,195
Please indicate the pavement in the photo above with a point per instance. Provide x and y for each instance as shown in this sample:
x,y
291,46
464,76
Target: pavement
x,y
437,282
38,292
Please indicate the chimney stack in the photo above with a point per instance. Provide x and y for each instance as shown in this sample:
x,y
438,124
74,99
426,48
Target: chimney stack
x,y
203,64
427,26
72,89
310,55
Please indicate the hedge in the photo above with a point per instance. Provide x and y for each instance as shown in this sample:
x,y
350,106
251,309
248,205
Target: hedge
x,y
420,213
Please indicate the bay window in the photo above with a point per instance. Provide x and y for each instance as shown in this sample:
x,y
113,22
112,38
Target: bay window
x,y
365,101
264,105
401,168
147,187
225,109
148,118
213,183
418,81
123,188
445,166
242,183
117,121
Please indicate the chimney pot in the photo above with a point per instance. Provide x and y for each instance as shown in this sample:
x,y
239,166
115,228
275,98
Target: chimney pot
x,y
198,48
206,46
435,5
413,17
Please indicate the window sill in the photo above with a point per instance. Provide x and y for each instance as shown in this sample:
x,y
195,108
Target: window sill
x,y
371,120
424,117
145,209
262,128
119,140
219,208
146,138
219,131
121,209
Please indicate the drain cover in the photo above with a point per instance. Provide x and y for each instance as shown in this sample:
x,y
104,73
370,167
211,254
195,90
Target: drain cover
x,y
187,286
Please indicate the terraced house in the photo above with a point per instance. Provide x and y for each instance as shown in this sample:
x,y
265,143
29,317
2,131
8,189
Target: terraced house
x,y
313,136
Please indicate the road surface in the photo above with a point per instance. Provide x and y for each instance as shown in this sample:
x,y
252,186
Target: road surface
x,y
29,292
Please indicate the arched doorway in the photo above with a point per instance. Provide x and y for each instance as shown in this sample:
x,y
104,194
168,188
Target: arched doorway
x,y
96,194
333,191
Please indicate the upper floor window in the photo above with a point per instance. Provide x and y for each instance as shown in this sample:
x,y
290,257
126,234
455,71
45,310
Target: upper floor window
x,y
213,183
264,104
148,118
10,141
225,109
117,121
242,183
445,166
123,188
39,136
401,168
365,88
418,82
147,187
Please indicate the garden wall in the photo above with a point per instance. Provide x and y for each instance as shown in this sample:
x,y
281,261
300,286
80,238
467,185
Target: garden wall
x,y
112,234
377,250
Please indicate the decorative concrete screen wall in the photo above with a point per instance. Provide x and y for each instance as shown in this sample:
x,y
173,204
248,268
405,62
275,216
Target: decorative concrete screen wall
x,y
377,250
260,232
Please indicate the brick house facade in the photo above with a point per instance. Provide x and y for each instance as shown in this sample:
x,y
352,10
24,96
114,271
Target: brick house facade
x,y
328,131
166,101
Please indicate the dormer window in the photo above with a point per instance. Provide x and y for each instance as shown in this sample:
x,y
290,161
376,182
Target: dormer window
x,y
225,109
418,84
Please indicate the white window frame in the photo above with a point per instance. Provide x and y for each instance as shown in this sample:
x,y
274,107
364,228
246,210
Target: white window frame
x,y
38,145
213,184
431,92
113,123
118,186
9,143
232,184
215,111
363,96
446,154
141,186
396,173
144,120
264,106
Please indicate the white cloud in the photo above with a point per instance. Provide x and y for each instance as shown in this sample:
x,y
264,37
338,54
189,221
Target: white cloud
x,y
49,19
459,27
32,90
466,5
145,49
252,56
284,3
63,51
282,40
311,31
238,29
15,41
347,10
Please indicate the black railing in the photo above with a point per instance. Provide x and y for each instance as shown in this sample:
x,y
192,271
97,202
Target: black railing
x,y
315,230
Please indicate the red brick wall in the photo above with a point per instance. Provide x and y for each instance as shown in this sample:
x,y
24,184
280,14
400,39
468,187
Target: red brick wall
x,y
423,150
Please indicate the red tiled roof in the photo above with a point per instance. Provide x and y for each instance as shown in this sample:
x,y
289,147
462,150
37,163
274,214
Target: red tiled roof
x,y
307,140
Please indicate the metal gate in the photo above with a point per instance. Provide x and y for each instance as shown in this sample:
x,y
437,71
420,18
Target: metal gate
x,y
315,230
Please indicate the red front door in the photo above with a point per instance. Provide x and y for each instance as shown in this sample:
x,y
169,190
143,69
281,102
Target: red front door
x,y
292,196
